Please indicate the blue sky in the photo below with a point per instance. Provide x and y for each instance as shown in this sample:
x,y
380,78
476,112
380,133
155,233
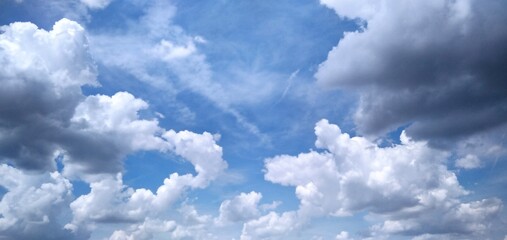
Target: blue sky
x,y
330,119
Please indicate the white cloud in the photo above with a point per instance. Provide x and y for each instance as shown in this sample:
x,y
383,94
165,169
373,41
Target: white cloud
x,y
468,162
270,226
34,204
116,118
241,208
364,9
118,115
34,55
45,116
169,51
96,4
145,230
192,226
406,184
343,235
111,201
201,150
113,121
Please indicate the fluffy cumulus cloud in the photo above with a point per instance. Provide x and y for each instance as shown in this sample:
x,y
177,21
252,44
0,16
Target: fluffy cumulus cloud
x,y
192,226
343,235
41,80
270,226
407,186
44,113
111,201
45,118
34,206
241,208
435,65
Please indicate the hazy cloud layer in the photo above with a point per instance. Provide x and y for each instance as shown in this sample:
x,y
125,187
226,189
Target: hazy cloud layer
x,y
437,65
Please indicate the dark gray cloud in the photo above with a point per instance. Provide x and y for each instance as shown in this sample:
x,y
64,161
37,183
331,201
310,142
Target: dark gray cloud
x,y
438,66
40,90
44,115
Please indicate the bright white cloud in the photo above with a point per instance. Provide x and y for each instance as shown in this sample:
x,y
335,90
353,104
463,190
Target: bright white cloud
x,y
406,184
270,226
468,162
34,55
192,226
115,120
201,150
112,126
343,235
111,201
145,230
241,208
364,9
96,4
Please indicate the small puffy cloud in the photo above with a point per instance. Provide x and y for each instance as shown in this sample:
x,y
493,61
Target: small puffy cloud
x,y
420,63
168,51
468,162
343,235
96,4
201,150
406,185
241,208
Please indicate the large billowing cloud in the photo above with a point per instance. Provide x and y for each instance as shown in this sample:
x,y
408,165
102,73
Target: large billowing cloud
x,y
407,186
44,115
437,65
41,80
45,118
